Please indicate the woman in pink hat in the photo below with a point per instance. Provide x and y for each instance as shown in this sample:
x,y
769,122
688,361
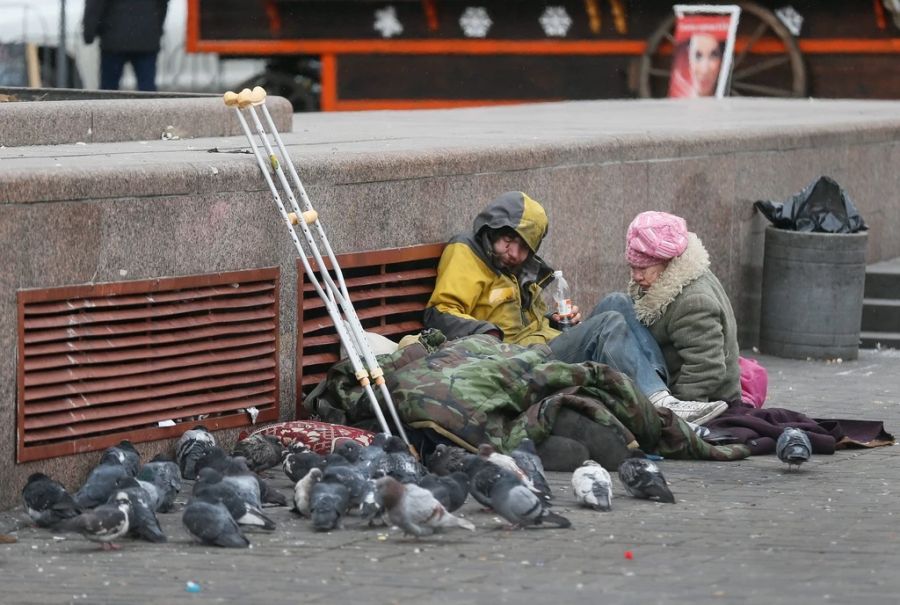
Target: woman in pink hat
x,y
675,299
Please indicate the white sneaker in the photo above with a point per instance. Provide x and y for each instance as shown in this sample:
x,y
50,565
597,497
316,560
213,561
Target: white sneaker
x,y
696,412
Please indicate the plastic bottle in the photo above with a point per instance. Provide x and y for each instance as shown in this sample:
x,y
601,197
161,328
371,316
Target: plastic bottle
x,y
563,300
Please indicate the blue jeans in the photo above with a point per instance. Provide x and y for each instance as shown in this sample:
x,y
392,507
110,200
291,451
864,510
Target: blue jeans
x,y
612,335
112,65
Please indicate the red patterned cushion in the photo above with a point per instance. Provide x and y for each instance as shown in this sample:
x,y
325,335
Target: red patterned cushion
x,y
317,436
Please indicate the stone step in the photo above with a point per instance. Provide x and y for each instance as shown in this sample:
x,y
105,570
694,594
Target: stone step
x,y
879,340
883,279
881,315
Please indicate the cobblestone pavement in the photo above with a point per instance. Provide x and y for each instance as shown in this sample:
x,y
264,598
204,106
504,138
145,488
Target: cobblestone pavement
x,y
741,532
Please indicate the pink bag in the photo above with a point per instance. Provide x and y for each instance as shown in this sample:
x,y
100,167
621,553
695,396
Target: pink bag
x,y
754,382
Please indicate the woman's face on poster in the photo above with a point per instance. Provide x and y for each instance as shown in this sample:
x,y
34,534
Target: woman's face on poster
x,y
705,59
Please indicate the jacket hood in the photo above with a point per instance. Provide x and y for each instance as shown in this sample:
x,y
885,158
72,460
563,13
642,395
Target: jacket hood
x,y
651,304
516,210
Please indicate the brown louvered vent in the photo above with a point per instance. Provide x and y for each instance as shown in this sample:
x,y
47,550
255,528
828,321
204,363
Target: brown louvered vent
x,y
389,289
104,362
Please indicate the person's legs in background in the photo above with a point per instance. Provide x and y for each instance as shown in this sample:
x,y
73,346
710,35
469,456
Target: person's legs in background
x,y
621,303
144,65
606,338
111,67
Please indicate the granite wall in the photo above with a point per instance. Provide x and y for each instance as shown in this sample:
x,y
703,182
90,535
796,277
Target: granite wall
x,y
101,212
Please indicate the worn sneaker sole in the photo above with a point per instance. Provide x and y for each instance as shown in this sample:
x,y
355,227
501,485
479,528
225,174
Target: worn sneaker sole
x,y
709,413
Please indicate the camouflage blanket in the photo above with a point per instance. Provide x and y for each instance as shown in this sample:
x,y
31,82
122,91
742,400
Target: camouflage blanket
x,y
476,389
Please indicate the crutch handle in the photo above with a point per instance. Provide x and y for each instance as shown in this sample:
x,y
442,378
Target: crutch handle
x,y
254,97
309,217
230,98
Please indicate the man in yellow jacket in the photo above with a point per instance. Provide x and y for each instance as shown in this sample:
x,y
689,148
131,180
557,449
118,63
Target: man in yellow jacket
x,y
490,281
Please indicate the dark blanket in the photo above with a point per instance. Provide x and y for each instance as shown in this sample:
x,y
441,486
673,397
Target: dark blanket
x,y
759,429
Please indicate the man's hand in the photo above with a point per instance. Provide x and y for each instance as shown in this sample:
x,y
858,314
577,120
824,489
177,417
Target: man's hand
x,y
575,317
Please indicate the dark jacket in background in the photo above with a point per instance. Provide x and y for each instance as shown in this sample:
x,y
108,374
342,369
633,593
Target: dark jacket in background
x,y
125,26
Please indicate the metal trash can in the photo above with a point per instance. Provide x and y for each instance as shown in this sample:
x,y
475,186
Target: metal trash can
x,y
812,294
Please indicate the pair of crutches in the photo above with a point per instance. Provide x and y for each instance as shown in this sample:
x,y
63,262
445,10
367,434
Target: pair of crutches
x,y
334,295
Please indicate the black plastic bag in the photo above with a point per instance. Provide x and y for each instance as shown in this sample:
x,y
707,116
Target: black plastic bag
x,y
821,207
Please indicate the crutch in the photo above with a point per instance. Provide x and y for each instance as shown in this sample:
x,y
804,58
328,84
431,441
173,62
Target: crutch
x,y
333,296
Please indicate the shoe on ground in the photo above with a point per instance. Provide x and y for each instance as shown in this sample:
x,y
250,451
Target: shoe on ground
x,y
697,412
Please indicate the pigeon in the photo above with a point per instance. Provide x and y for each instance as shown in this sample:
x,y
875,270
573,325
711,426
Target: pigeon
x,y
261,451
447,459
351,477
415,510
152,494
643,478
142,521
254,488
486,452
302,491
450,490
100,483
166,476
297,464
398,462
211,523
47,502
520,506
211,487
482,477
126,455
527,459
592,486
793,447
191,446
328,503
213,457
105,523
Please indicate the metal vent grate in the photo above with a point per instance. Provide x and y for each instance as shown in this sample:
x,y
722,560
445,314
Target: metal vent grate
x,y
103,362
389,289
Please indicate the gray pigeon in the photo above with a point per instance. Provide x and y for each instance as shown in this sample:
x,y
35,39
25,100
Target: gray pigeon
x,y
793,447
297,464
527,459
415,510
261,451
237,471
105,523
519,505
328,503
212,488
398,462
447,459
142,521
127,456
211,523
192,445
450,490
100,483
166,476
643,478
352,478
47,502
592,486
482,477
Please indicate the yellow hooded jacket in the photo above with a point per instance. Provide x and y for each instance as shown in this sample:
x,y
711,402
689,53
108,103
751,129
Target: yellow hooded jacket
x,y
472,295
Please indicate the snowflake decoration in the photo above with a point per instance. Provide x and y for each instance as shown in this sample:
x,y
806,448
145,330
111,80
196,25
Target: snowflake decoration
x,y
387,23
475,22
555,21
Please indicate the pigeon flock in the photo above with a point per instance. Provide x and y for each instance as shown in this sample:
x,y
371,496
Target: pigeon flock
x,y
378,484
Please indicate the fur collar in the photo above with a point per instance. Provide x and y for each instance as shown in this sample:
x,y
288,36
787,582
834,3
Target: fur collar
x,y
682,270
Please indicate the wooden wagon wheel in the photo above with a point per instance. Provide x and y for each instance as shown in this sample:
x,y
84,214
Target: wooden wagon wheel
x,y
767,60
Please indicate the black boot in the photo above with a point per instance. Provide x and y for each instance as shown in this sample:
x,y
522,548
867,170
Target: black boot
x,y
605,444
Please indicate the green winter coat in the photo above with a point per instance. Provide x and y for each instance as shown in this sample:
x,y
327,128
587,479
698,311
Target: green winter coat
x,y
477,390
473,296
691,318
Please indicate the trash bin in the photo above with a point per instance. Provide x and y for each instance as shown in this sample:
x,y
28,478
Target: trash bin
x,y
812,294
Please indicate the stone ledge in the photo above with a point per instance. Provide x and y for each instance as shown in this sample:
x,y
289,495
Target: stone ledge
x,y
115,120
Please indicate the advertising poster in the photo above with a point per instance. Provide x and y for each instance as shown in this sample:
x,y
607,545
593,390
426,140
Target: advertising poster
x,y
704,45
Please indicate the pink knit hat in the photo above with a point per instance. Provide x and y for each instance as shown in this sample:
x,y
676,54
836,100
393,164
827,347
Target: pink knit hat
x,y
655,237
